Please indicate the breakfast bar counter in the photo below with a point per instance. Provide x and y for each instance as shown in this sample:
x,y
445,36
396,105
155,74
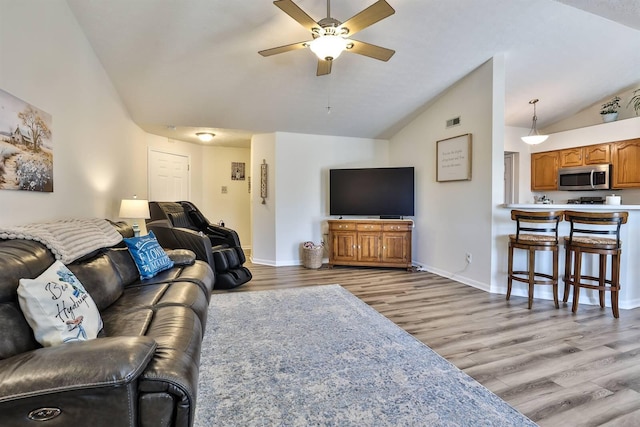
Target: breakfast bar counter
x,y
629,270
573,207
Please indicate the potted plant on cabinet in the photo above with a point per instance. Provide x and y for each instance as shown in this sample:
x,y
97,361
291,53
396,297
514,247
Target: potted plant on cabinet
x,y
609,110
635,101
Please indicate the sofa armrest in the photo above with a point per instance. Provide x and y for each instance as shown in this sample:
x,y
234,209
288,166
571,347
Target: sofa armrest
x,y
222,236
102,362
181,256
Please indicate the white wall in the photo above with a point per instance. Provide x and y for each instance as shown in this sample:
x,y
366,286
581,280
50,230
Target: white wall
x,y
297,205
233,206
453,218
591,115
99,152
302,184
263,216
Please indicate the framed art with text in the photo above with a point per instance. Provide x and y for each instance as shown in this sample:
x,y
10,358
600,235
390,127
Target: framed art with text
x,y
453,159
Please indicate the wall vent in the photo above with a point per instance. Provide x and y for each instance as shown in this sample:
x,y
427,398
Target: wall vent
x,y
453,122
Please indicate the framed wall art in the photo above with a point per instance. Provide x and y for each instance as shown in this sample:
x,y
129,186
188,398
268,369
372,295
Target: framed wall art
x,y
237,171
263,181
453,159
26,146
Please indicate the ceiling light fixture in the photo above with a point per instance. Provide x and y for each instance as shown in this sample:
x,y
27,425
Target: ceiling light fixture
x,y
329,46
205,136
534,137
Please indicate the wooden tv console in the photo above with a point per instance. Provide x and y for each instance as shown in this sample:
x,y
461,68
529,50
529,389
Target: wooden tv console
x,y
370,242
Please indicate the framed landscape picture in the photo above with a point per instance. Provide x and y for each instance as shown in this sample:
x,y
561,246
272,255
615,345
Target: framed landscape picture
x,y
453,159
26,146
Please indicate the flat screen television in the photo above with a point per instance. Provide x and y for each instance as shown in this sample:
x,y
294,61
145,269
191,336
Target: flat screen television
x,y
384,192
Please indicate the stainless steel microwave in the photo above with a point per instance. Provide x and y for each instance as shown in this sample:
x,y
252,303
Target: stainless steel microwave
x,y
594,177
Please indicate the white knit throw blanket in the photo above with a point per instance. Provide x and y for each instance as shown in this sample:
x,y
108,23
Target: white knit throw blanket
x,y
67,239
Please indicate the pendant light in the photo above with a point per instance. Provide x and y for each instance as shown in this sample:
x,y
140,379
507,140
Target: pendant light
x,y
534,137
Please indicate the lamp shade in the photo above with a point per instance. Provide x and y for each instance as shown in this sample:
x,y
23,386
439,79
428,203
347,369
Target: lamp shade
x,y
134,209
328,47
534,139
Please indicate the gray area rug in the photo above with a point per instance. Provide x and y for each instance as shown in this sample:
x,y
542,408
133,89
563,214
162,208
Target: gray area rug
x,y
319,356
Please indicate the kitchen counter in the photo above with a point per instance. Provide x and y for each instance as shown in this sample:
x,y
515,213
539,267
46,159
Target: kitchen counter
x,y
629,296
572,207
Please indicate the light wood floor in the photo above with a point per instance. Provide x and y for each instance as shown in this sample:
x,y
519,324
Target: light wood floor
x,y
557,368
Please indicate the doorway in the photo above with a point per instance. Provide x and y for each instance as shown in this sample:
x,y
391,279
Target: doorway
x,y
169,178
510,177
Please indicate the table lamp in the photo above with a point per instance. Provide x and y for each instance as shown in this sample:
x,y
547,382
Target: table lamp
x,y
134,209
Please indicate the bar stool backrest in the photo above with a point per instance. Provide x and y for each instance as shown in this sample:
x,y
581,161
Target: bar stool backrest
x,y
537,222
596,223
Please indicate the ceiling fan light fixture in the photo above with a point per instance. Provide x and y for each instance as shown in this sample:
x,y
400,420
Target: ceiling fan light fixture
x,y
328,47
205,136
534,137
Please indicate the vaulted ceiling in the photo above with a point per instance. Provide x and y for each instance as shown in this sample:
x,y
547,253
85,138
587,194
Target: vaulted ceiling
x,y
184,66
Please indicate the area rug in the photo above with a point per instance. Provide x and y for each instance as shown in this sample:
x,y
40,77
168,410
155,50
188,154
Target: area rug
x,y
319,356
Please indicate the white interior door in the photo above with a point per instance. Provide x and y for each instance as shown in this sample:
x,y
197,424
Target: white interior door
x,y
509,178
168,177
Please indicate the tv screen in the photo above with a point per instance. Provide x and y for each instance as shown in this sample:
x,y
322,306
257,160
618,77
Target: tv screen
x,y
384,192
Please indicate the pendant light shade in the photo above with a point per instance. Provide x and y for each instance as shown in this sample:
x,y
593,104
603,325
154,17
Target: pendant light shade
x,y
534,137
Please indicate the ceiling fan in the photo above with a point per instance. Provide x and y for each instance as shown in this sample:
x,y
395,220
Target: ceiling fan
x,y
331,37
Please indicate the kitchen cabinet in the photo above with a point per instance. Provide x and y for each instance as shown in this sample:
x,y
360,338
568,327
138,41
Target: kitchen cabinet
x,y
544,171
626,164
584,156
372,243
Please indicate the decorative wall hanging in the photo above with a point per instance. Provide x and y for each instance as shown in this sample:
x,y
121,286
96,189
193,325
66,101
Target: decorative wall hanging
x,y
263,181
26,146
453,159
237,171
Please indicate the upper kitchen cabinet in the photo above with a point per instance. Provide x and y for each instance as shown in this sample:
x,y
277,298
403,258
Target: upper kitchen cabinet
x,y
544,171
583,156
626,163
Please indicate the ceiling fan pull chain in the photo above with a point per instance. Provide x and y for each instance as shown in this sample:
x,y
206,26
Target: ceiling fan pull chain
x,y
329,95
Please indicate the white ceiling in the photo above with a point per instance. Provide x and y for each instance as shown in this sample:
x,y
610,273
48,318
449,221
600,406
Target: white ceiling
x,y
193,64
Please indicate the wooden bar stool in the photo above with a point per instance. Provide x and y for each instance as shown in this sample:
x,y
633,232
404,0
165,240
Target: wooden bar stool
x,y
590,226
540,234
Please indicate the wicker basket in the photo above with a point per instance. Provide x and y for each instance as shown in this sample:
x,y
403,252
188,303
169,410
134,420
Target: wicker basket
x,y
312,257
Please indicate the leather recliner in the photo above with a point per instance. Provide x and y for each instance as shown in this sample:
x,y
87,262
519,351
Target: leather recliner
x,y
181,225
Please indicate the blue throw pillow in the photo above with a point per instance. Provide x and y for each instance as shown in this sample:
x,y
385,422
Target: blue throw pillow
x,y
149,256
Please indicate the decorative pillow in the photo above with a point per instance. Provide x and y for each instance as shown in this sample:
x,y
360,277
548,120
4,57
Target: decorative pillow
x,y
149,256
58,308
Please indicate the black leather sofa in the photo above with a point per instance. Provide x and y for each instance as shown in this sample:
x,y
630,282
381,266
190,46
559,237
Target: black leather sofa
x,y
182,225
142,370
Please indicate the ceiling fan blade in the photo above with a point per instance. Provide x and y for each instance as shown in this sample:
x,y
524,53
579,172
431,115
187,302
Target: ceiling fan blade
x,y
292,9
371,50
324,67
374,13
283,49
